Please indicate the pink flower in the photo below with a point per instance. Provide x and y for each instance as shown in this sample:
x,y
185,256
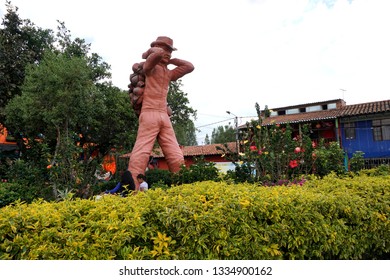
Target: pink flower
x,y
253,148
297,150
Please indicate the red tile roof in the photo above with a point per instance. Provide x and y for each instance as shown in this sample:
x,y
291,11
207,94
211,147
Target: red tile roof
x,y
343,111
303,117
207,149
365,108
191,151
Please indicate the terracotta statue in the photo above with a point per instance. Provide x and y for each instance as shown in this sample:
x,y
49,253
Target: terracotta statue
x,y
150,94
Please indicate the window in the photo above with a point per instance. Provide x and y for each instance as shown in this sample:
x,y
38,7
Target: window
x,y
292,111
381,129
314,108
349,129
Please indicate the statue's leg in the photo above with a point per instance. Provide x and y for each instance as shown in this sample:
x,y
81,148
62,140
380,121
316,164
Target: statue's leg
x,y
147,132
169,145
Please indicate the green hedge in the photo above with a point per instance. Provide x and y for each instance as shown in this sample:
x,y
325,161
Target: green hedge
x,y
331,218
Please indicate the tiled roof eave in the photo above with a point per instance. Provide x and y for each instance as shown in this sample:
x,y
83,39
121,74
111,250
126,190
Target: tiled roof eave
x,y
302,120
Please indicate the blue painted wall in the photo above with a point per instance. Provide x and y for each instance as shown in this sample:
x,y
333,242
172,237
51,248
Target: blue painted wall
x,y
364,141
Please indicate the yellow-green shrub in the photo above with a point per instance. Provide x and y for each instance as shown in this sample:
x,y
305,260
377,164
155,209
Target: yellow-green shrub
x,y
331,218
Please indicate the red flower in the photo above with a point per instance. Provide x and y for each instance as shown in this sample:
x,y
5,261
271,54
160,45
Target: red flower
x,y
297,150
253,148
293,163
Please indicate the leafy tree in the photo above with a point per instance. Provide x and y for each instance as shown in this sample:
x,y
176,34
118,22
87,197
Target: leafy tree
x,y
113,123
79,48
21,43
181,118
207,140
185,133
62,106
223,134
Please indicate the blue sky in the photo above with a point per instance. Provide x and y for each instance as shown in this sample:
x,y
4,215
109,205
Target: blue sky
x,y
273,52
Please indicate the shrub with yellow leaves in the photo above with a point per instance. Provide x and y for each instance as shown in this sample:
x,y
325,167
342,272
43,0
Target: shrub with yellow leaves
x,y
329,218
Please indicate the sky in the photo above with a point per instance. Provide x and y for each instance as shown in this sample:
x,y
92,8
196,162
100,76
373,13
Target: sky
x,y
272,52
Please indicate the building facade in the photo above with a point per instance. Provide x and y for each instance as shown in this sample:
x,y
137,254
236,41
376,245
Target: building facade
x,y
361,127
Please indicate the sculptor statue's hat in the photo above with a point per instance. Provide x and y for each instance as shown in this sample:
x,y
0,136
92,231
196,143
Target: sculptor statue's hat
x,y
165,41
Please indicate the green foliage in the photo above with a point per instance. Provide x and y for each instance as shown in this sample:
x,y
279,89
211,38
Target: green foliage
x,y
12,192
181,114
30,172
199,171
273,153
158,178
207,140
223,134
21,43
329,218
63,105
242,173
357,161
186,133
79,48
329,158
381,170
26,183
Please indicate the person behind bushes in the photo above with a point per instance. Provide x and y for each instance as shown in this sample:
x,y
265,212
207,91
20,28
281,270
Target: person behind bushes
x,y
143,186
124,186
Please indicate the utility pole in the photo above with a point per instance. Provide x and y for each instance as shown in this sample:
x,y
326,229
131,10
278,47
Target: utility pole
x,y
236,128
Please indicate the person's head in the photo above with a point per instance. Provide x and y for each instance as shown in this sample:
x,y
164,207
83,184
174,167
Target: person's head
x,y
141,177
127,179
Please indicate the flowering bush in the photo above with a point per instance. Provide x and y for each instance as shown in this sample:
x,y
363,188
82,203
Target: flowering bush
x,y
272,152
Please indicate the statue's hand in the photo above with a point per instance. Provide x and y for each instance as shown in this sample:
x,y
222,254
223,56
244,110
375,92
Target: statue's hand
x,y
146,54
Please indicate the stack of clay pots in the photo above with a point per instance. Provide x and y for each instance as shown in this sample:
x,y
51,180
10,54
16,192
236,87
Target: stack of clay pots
x,y
136,87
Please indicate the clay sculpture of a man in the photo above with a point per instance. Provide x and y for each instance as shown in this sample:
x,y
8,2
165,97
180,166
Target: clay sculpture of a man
x,y
154,120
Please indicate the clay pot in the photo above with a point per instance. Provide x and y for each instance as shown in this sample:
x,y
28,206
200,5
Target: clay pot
x,y
135,67
138,91
134,79
141,84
